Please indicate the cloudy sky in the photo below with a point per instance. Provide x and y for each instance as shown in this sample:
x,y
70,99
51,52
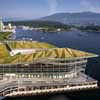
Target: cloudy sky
x,y
32,9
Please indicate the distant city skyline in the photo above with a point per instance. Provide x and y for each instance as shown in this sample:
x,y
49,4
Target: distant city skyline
x,y
33,9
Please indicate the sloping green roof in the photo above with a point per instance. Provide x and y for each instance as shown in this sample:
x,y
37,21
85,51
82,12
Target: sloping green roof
x,y
67,53
29,44
4,35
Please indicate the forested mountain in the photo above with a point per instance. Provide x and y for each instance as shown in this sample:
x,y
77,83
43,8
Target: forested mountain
x,y
82,18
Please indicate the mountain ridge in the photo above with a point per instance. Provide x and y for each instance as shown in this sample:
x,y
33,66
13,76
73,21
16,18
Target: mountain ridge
x,y
78,18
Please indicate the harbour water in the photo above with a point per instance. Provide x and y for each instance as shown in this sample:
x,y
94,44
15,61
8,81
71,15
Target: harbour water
x,y
86,41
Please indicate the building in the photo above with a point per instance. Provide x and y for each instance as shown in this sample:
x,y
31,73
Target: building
x,y
48,65
6,28
56,69
1,24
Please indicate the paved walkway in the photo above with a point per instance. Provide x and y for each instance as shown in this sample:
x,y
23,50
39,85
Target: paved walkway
x,y
73,83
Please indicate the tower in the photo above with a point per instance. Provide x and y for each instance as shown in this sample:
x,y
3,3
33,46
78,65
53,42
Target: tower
x,y
1,24
9,25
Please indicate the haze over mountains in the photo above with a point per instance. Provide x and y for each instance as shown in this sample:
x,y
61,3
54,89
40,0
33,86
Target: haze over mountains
x,y
82,18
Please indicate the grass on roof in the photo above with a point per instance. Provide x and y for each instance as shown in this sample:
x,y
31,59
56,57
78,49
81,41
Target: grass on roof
x,y
5,57
29,44
4,35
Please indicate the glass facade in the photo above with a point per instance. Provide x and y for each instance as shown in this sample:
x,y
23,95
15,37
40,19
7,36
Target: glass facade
x,y
52,68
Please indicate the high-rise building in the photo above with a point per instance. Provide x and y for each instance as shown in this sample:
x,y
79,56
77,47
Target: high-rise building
x,y
9,25
1,24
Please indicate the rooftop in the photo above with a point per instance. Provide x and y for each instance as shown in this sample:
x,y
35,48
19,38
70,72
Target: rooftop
x,y
43,50
29,44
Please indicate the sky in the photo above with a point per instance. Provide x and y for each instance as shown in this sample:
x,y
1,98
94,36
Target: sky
x,y
33,9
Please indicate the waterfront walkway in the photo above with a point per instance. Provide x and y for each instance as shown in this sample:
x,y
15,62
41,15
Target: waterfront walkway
x,y
34,86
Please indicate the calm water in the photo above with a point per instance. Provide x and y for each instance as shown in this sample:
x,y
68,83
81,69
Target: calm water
x,y
73,39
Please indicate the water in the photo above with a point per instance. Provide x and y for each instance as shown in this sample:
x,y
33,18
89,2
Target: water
x,y
74,39
85,41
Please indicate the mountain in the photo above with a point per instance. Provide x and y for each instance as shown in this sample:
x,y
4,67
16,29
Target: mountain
x,y
82,18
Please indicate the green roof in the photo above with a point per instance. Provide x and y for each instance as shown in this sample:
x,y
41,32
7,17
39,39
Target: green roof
x,y
68,53
29,44
4,35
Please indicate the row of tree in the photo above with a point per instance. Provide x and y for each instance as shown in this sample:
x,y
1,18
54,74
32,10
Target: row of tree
x,y
93,27
39,23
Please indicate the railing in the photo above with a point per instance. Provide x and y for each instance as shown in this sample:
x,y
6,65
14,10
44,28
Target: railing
x,y
27,88
34,86
15,91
